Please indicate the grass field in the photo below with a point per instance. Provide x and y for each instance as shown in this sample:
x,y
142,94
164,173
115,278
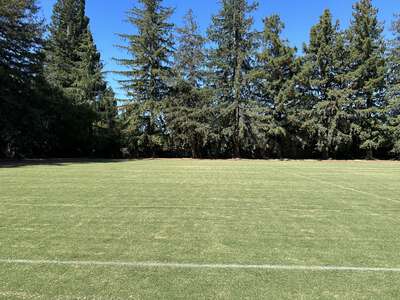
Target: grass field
x,y
293,213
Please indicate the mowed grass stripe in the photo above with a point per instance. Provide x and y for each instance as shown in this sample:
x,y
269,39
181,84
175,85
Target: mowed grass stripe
x,y
137,207
197,265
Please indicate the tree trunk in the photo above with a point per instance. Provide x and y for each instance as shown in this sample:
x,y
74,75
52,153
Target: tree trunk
x,y
370,154
194,150
325,154
237,133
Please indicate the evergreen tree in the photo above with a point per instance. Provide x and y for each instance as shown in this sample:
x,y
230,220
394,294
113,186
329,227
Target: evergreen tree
x,y
89,83
190,55
66,31
365,78
73,61
393,80
73,66
189,113
320,82
21,42
230,62
276,66
107,129
248,94
147,71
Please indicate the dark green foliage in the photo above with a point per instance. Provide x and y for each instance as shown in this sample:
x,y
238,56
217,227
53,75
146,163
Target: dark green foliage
x,y
74,67
365,78
190,55
147,71
89,83
49,111
323,106
189,113
272,76
230,62
66,35
393,79
239,93
107,127
21,41
72,60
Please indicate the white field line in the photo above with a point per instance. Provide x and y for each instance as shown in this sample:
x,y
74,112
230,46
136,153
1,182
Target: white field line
x,y
196,266
345,187
305,209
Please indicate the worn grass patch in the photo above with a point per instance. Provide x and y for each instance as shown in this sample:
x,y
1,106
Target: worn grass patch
x,y
300,213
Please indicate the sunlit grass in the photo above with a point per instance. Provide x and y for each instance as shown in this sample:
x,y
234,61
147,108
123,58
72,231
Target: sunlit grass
x,y
188,211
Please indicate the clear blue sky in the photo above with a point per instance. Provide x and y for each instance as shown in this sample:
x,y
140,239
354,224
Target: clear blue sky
x,y
107,18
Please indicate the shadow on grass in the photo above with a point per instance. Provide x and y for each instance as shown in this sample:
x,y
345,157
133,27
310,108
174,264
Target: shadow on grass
x,y
54,162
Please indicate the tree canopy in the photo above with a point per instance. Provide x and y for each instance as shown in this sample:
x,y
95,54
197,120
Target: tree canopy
x,y
236,91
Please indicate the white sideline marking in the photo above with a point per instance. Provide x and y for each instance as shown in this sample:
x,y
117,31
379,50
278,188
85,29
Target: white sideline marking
x,y
173,207
283,209
196,266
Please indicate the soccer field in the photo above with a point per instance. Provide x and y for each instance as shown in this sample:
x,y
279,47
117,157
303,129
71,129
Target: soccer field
x,y
189,229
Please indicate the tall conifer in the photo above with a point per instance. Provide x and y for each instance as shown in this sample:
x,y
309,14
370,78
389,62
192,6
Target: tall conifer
x,y
365,78
276,66
393,81
21,44
230,61
320,83
73,66
147,72
73,61
189,112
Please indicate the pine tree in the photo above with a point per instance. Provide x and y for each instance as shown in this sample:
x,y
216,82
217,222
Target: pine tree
x,y
393,80
66,30
230,62
190,55
89,82
189,113
21,39
21,43
324,116
73,66
147,71
365,78
73,61
276,66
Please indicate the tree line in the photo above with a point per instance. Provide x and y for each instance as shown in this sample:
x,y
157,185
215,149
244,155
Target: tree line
x,y
236,91
54,100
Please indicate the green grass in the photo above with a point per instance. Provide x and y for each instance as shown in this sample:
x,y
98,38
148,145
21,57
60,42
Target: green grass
x,y
231,212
